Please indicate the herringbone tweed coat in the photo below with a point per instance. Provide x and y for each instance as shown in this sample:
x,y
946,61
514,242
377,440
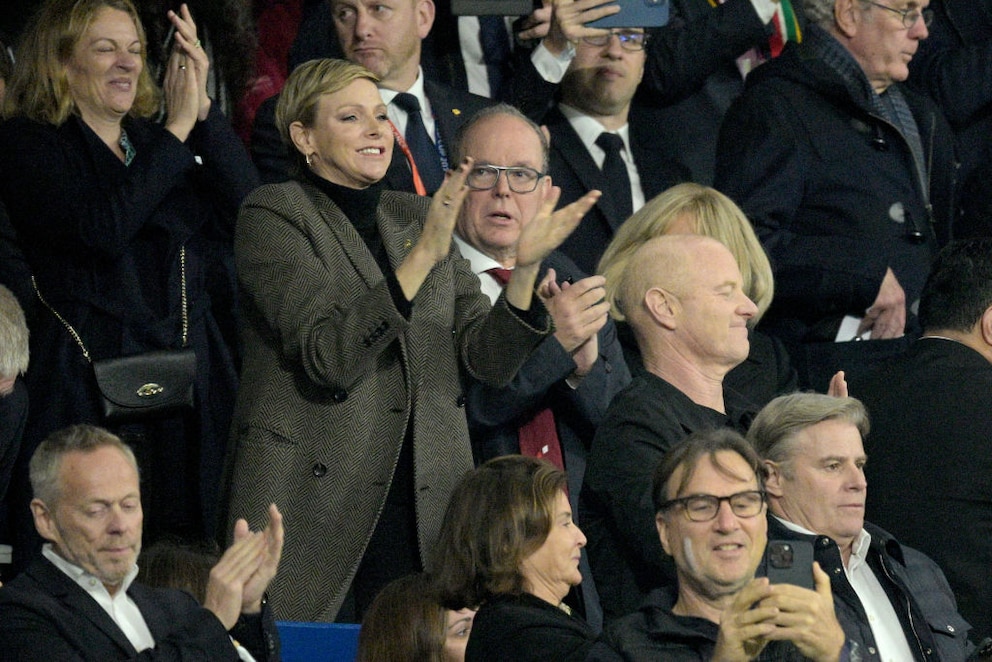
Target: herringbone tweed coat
x,y
333,375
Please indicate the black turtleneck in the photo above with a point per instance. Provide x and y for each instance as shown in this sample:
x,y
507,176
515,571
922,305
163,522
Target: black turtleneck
x,y
360,206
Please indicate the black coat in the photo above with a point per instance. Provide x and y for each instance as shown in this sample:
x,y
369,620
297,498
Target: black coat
x,y
831,189
103,240
526,628
918,591
930,468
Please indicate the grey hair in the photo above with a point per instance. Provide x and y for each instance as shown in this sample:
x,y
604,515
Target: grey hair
x,y
821,12
776,426
46,463
495,111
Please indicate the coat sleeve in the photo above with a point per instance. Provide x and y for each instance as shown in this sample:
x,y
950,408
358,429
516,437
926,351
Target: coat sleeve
x,y
683,54
38,627
297,278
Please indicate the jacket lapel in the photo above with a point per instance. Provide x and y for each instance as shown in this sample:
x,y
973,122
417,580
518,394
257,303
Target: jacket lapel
x,y
352,245
62,588
574,154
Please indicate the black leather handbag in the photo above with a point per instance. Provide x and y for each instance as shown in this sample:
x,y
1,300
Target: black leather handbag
x,y
142,386
146,385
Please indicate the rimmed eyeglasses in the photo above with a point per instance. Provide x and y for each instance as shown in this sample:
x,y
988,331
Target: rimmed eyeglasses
x,y
520,179
704,507
909,16
629,40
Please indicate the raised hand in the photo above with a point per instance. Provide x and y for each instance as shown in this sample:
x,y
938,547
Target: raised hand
x,y
549,227
187,43
435,240
807,618
258,582
568,19
578,311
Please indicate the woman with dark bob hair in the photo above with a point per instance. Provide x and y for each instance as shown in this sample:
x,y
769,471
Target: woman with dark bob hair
x,y
360,319
508,543
127,225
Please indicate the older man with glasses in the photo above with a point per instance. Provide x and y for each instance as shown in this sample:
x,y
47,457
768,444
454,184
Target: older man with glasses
x,y
848,176
552,407
711,519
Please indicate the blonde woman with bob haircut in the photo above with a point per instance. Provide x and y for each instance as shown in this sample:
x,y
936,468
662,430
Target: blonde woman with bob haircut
x,y
701,210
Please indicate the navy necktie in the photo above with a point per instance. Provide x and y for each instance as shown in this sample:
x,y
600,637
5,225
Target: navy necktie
x,y
424,151
495,41
615,174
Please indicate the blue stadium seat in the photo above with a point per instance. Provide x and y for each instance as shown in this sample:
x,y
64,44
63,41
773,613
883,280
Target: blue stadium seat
x,y
318,642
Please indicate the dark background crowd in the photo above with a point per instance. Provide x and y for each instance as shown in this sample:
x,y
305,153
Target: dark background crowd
x,y
664,229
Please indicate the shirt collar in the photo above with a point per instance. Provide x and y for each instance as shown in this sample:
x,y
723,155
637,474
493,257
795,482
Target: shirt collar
x,y
84,579
417,90
858,549
480,261
589,129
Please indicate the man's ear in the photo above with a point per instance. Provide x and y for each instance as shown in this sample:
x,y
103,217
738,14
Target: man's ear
x,y
985,326
300,135
662,526
847,17
424,12
662,306
43,521
773,478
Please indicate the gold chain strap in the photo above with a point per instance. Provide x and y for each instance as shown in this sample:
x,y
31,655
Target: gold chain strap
x,y
75,335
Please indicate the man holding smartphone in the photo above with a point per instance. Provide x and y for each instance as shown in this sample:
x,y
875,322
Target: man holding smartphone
x,y
892,601
710,506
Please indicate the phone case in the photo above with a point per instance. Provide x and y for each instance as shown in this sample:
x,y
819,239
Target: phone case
x,y
790,562
636,14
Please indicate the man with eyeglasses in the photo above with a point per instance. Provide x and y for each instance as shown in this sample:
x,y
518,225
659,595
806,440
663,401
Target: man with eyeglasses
x,y
710,506
848,177
681,296
557,399
893,602
594,145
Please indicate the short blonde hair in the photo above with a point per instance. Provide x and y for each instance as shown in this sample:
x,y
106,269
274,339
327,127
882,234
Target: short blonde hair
x,y
711,214
39,86
300,97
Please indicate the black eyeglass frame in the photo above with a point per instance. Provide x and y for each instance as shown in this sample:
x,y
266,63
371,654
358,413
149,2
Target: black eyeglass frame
x,y
499,172
684,502
627,39
916,14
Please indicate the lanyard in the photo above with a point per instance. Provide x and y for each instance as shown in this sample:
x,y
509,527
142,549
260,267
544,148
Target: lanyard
x,y
418,183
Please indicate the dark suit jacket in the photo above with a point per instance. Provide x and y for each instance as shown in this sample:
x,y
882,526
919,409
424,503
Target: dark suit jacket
x,y
46,616
574,170
495,414
336,378
451,108
930,469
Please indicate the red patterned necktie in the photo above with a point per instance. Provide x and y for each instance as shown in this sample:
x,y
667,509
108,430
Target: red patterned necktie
x,y
538,437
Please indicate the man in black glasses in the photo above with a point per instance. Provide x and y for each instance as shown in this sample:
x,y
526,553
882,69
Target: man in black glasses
x,y
595,143
892,601
848,177
711,519
554,404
